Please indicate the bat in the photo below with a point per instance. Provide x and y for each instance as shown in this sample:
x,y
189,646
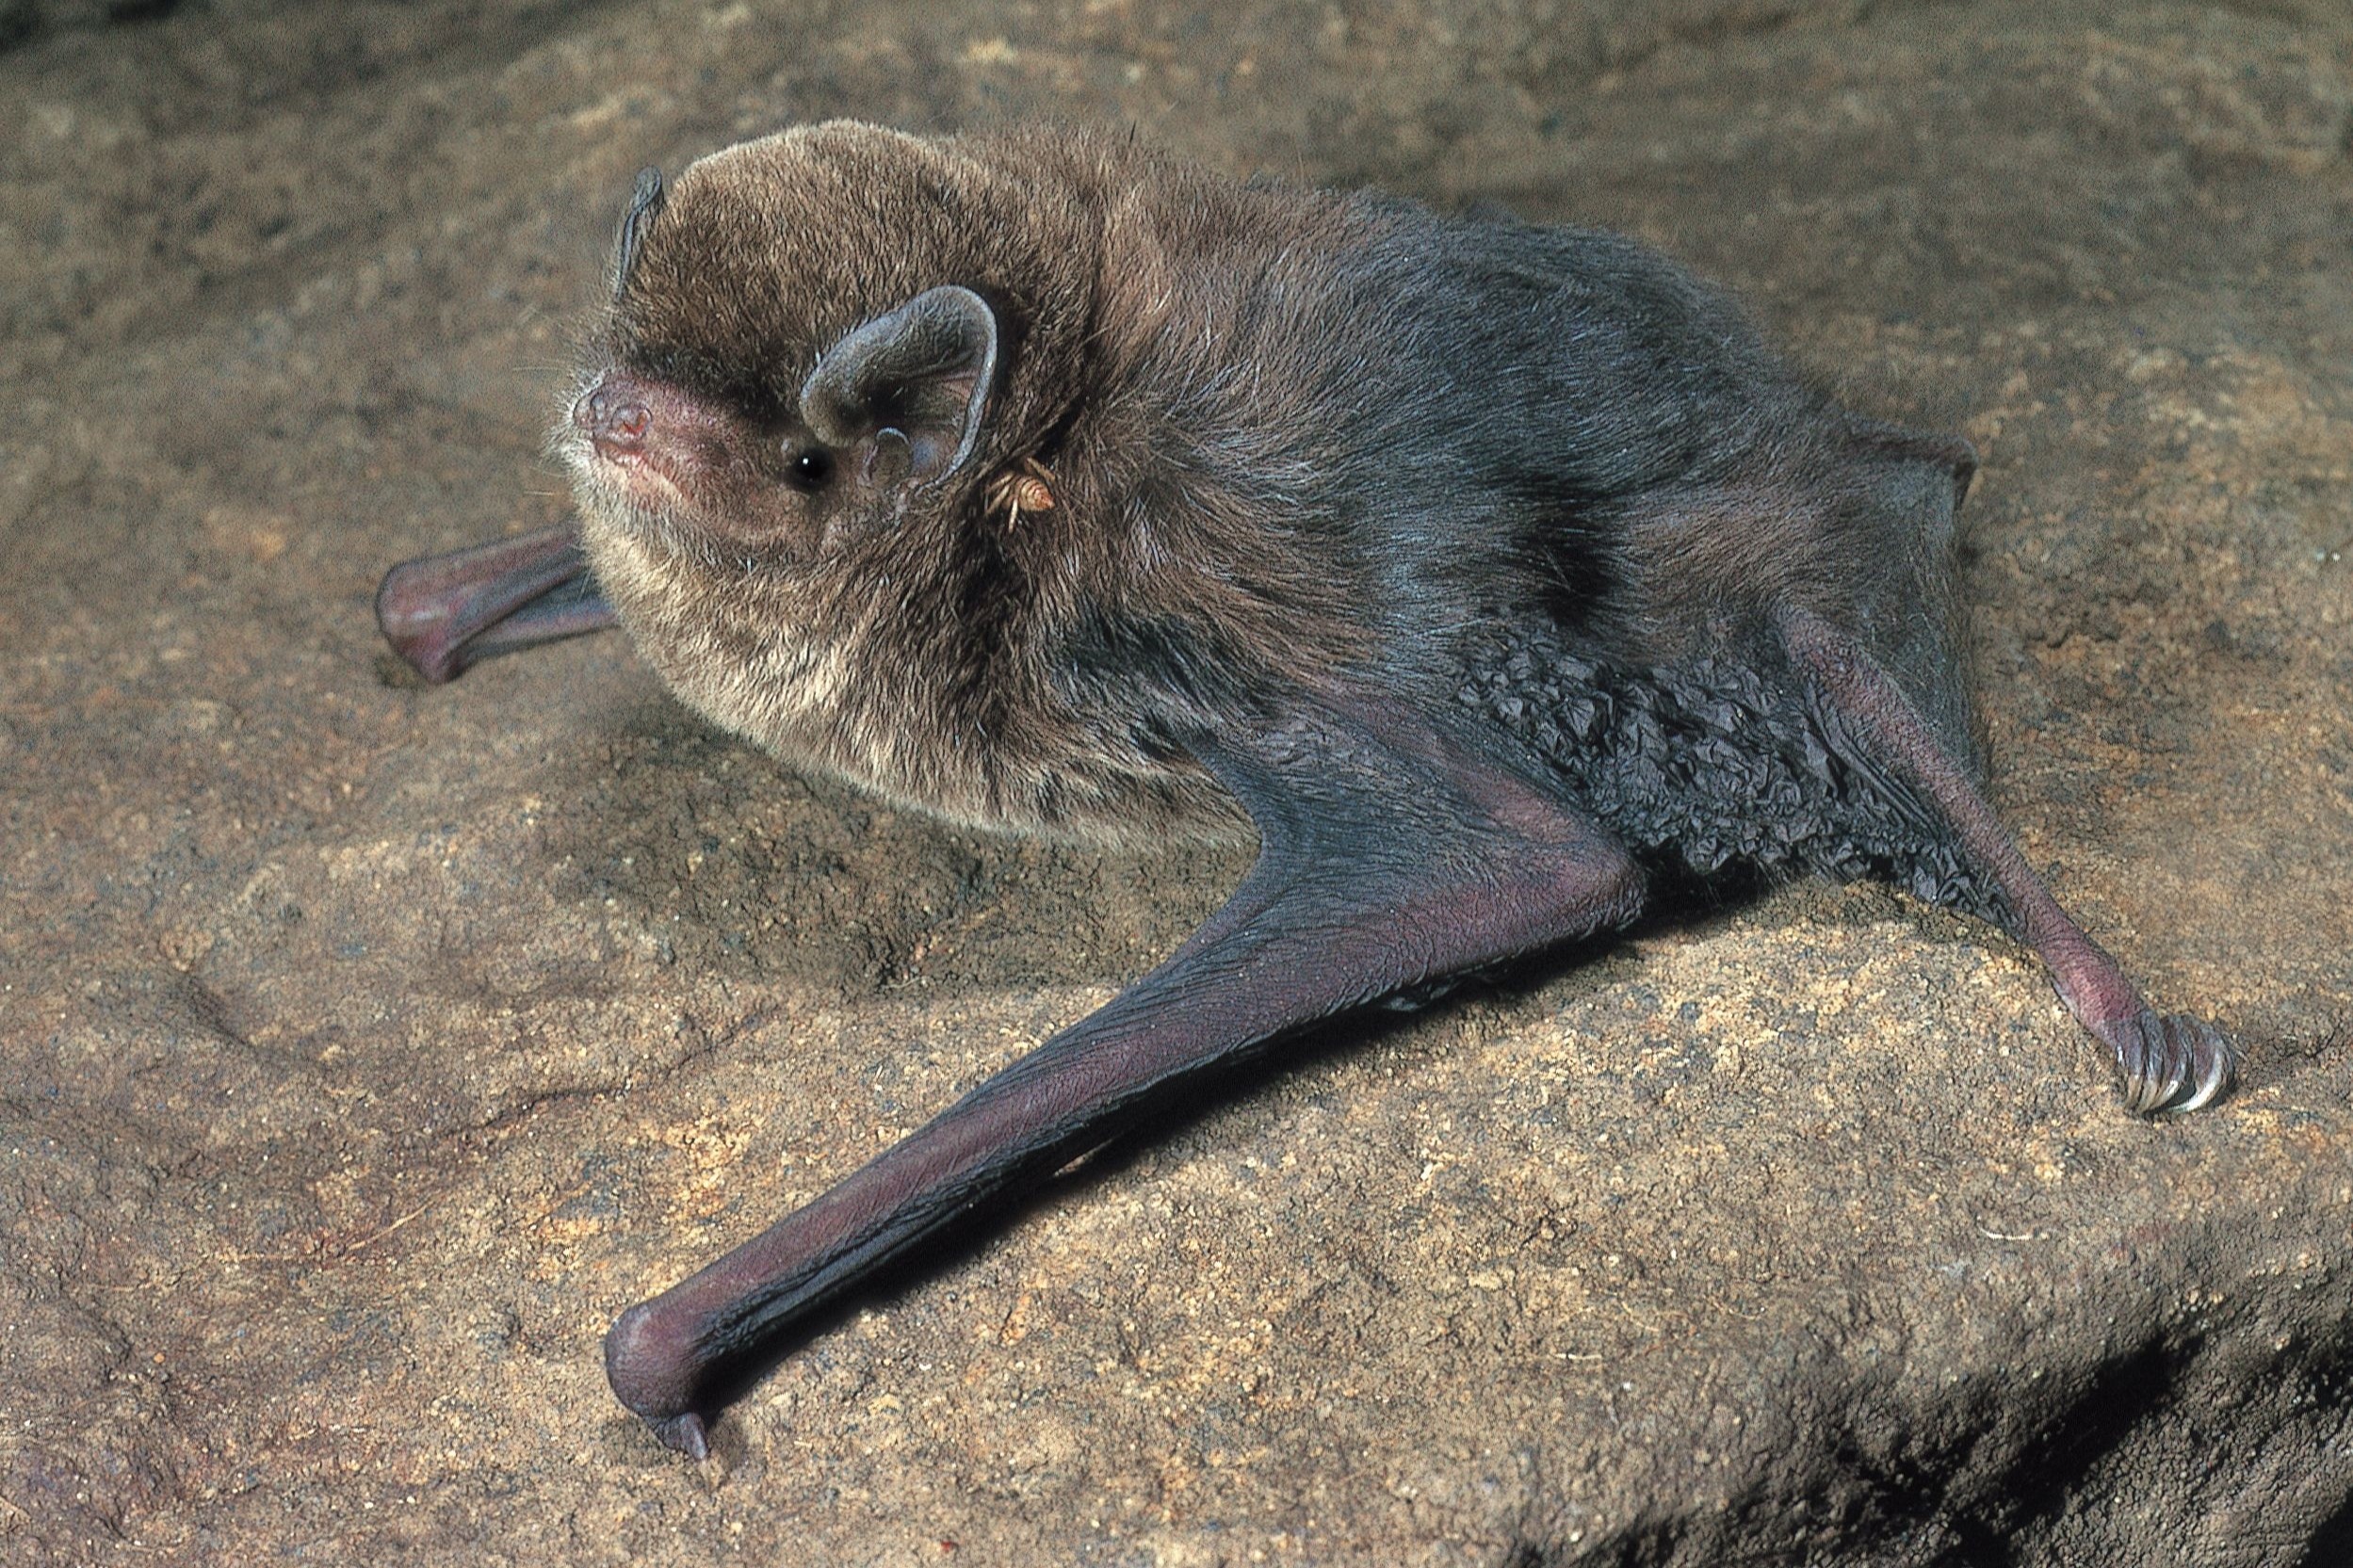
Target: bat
x,y
1498,574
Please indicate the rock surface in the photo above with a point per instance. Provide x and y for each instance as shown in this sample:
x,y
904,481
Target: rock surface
x,y
363,1048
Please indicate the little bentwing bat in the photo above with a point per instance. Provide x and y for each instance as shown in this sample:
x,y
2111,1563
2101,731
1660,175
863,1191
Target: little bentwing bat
x,y
1499,573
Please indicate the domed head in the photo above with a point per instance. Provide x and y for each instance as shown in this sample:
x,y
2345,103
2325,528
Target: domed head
x,y
794,358
820,347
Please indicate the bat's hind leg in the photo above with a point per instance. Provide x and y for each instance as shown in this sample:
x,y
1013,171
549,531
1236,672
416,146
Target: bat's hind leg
x,y
2170,1063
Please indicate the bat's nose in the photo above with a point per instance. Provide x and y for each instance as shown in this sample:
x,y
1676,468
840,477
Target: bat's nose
x,y
616,416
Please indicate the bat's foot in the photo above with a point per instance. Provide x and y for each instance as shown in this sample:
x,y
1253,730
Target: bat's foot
x,y
685,1433
2171,1063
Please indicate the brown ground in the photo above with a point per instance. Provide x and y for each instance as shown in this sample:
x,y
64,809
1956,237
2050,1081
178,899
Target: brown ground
x,y
364,1048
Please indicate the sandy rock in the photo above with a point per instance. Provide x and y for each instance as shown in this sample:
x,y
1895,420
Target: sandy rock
x,y
364,1048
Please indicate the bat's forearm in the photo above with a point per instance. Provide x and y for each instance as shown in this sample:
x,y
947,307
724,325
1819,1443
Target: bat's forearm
x,y
1082,1086
1446,865
1207,1005
445,613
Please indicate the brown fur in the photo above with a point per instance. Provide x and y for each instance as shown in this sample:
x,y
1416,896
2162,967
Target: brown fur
x,y
870,656
1256,488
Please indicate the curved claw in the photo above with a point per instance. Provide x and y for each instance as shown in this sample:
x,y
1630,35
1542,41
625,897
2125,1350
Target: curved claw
x,y
2171,1064
686,1433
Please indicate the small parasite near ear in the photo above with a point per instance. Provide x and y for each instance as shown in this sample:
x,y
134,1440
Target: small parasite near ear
x,y
1026,487
1638,614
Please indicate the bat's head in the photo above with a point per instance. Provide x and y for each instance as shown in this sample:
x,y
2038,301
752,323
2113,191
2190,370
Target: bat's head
x,y
826,354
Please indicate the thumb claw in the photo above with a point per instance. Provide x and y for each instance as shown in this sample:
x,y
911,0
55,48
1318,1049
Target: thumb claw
x,y
686,1433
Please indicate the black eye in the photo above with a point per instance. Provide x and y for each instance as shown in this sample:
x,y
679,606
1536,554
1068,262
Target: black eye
x,y
809,467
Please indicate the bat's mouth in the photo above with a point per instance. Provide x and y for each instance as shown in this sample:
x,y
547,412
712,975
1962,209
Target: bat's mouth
x,y
634,479
443,614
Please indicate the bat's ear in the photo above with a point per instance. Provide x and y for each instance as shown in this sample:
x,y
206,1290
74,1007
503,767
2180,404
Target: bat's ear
x,y
901,395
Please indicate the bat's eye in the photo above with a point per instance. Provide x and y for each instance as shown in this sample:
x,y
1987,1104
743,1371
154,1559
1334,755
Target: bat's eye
x,y
809,467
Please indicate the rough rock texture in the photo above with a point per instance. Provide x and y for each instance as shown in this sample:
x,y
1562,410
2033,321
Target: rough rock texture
x,y
364,1048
